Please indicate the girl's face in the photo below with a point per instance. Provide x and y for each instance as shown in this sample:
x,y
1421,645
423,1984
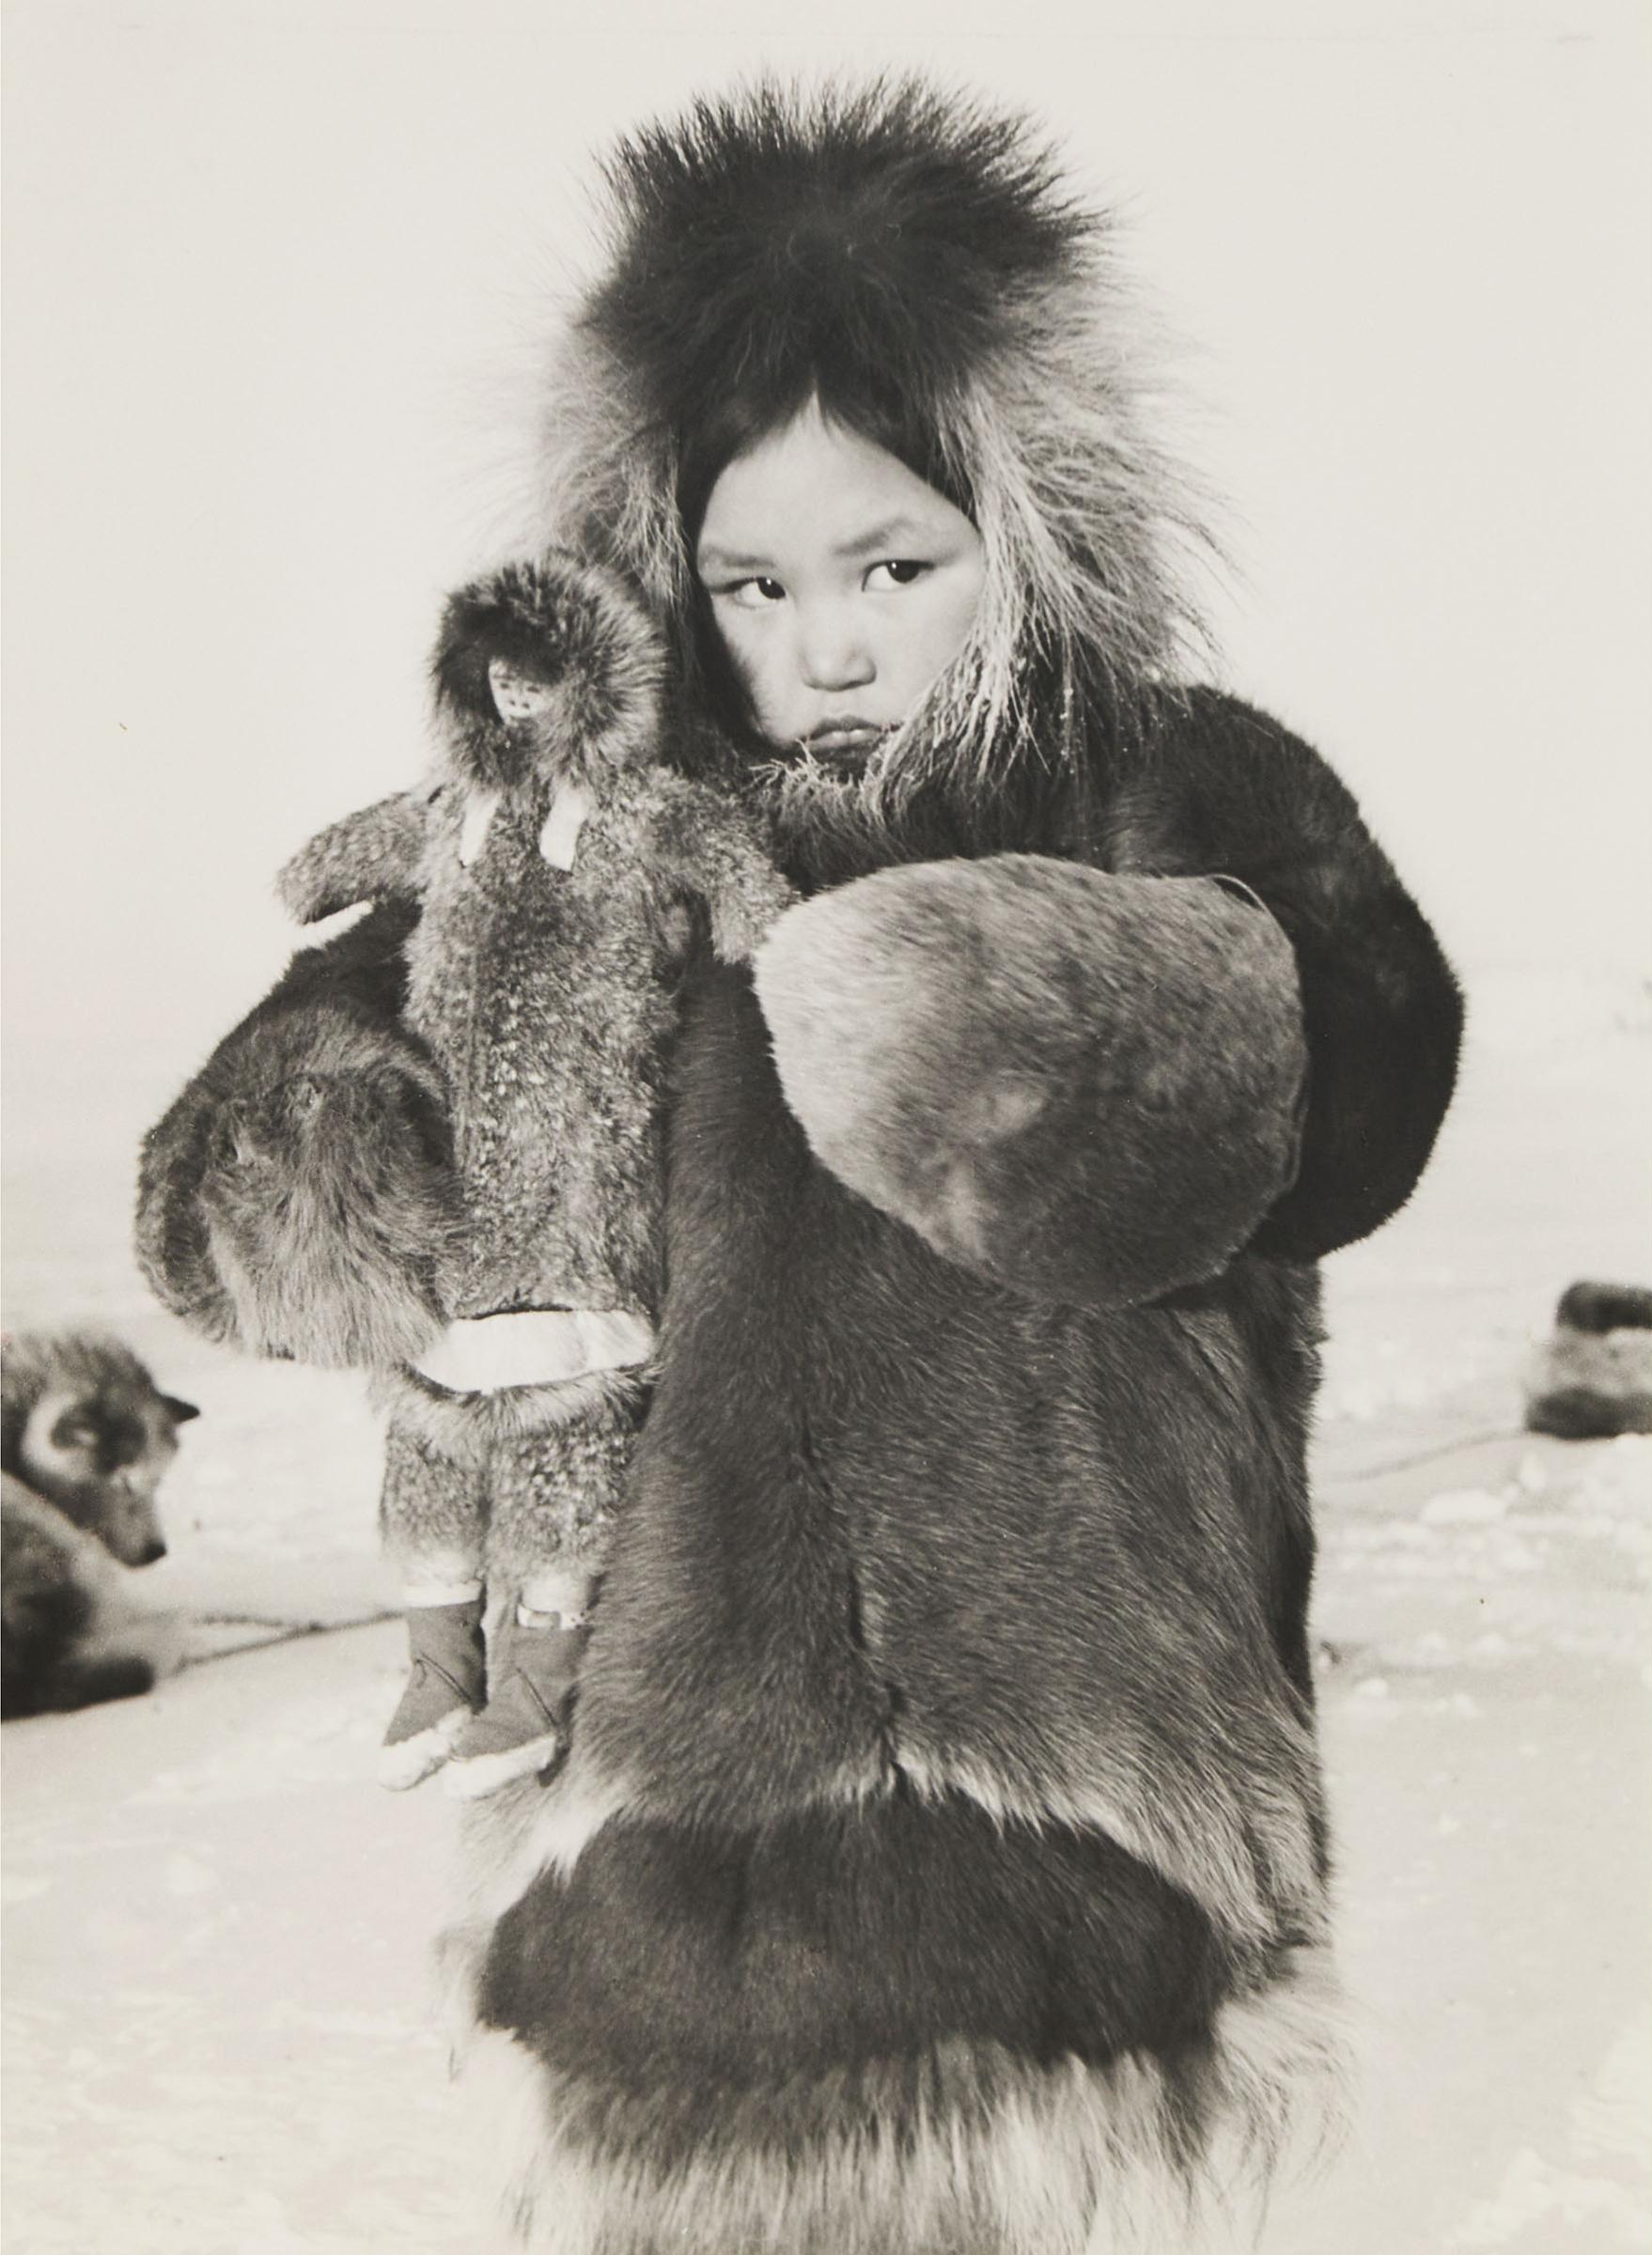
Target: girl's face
x,y
841,584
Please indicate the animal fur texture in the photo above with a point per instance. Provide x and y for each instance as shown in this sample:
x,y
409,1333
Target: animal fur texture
x,y
86,1438
988,1113
543,995
543,984
778,248
226,1190
941,1862
330,1215
970,2151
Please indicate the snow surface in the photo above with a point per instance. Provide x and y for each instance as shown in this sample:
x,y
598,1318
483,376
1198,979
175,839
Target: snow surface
x,y
220,2031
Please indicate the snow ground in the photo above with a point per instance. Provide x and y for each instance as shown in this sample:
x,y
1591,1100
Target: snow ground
x,y
220,2038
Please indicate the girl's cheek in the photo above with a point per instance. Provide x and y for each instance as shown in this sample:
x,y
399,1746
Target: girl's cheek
x,y
750,675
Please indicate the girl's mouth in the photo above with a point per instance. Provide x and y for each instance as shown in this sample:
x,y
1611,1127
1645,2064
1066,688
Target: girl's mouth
x,y
850,739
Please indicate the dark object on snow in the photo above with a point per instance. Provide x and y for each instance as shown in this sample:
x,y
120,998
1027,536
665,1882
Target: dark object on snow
x,y
1594,1377
1602,1308
86,1436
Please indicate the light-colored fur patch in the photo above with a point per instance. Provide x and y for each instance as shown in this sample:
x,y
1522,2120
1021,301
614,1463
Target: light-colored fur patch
x,y
1200,1839
514,1836
468,1427
1243,1864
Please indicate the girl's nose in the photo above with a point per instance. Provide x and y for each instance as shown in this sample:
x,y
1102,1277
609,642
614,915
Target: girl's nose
x,y
831,655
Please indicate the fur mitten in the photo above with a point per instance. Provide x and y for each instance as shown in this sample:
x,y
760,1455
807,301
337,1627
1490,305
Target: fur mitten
x,y
369,854
330,1198
1088,1086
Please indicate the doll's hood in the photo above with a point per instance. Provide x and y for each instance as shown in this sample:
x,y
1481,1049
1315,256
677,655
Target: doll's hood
x,y
571,625
757,237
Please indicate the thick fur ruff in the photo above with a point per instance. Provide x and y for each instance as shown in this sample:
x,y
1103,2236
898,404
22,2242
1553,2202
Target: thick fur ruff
x,y
329,1214
1088,1086
774,245
968,2150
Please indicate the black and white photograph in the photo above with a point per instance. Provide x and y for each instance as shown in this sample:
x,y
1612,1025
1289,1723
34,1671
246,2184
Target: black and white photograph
x,y
827,1376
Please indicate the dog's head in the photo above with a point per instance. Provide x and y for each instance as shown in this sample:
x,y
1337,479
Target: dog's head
x,y
97,1440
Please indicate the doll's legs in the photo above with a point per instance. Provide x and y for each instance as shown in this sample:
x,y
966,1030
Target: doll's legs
x,y
553,1501
432,1513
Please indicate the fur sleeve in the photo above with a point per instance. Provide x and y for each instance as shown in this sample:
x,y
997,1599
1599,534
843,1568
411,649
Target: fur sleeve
x,y
1086,1085
710,846
293,1198
1229,790
366,856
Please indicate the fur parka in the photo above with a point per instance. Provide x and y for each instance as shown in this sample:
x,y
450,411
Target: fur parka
x,y
939,1867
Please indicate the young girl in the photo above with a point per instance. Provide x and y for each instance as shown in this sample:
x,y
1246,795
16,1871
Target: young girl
x,y
940,1864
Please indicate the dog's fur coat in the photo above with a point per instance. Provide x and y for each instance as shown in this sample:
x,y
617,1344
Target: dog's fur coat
x,y
941,1860
86,1438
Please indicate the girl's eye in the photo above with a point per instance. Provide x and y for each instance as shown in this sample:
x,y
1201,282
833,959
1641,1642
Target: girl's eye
x,y
753,594
903,571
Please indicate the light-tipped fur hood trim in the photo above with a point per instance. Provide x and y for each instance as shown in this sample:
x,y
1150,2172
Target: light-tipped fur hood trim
x,y
781,245
570,626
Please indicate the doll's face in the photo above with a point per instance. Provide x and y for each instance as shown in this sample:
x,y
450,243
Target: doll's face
x,y
841,584
519,696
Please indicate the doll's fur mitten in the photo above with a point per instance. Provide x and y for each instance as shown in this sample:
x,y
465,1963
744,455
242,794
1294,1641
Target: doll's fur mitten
x,y
330,1197
369,854
1088,1086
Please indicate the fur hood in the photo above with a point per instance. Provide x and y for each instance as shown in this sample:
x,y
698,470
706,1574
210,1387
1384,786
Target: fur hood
x,y
895,243
571,626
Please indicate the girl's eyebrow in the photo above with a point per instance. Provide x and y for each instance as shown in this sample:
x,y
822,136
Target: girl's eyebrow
x,y
879,536
718,559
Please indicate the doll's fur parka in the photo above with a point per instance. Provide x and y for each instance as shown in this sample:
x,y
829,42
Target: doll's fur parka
x,y
941,1865
562,871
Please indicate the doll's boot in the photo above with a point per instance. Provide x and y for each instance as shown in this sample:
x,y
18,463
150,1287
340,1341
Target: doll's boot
x,y
447,1682
523,1727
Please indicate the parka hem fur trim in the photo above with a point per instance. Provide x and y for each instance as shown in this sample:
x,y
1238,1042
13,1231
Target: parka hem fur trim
x,y
968,2150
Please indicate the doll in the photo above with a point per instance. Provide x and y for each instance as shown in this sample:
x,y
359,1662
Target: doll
x,y
560,870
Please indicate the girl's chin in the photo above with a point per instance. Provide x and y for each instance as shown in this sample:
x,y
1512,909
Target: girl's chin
x,y
802,788
830,762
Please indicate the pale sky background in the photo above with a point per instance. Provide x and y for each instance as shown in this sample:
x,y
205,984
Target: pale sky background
x,y
269,269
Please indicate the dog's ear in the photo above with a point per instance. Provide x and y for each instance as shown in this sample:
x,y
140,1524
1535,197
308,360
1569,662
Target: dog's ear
x,y
180,1411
